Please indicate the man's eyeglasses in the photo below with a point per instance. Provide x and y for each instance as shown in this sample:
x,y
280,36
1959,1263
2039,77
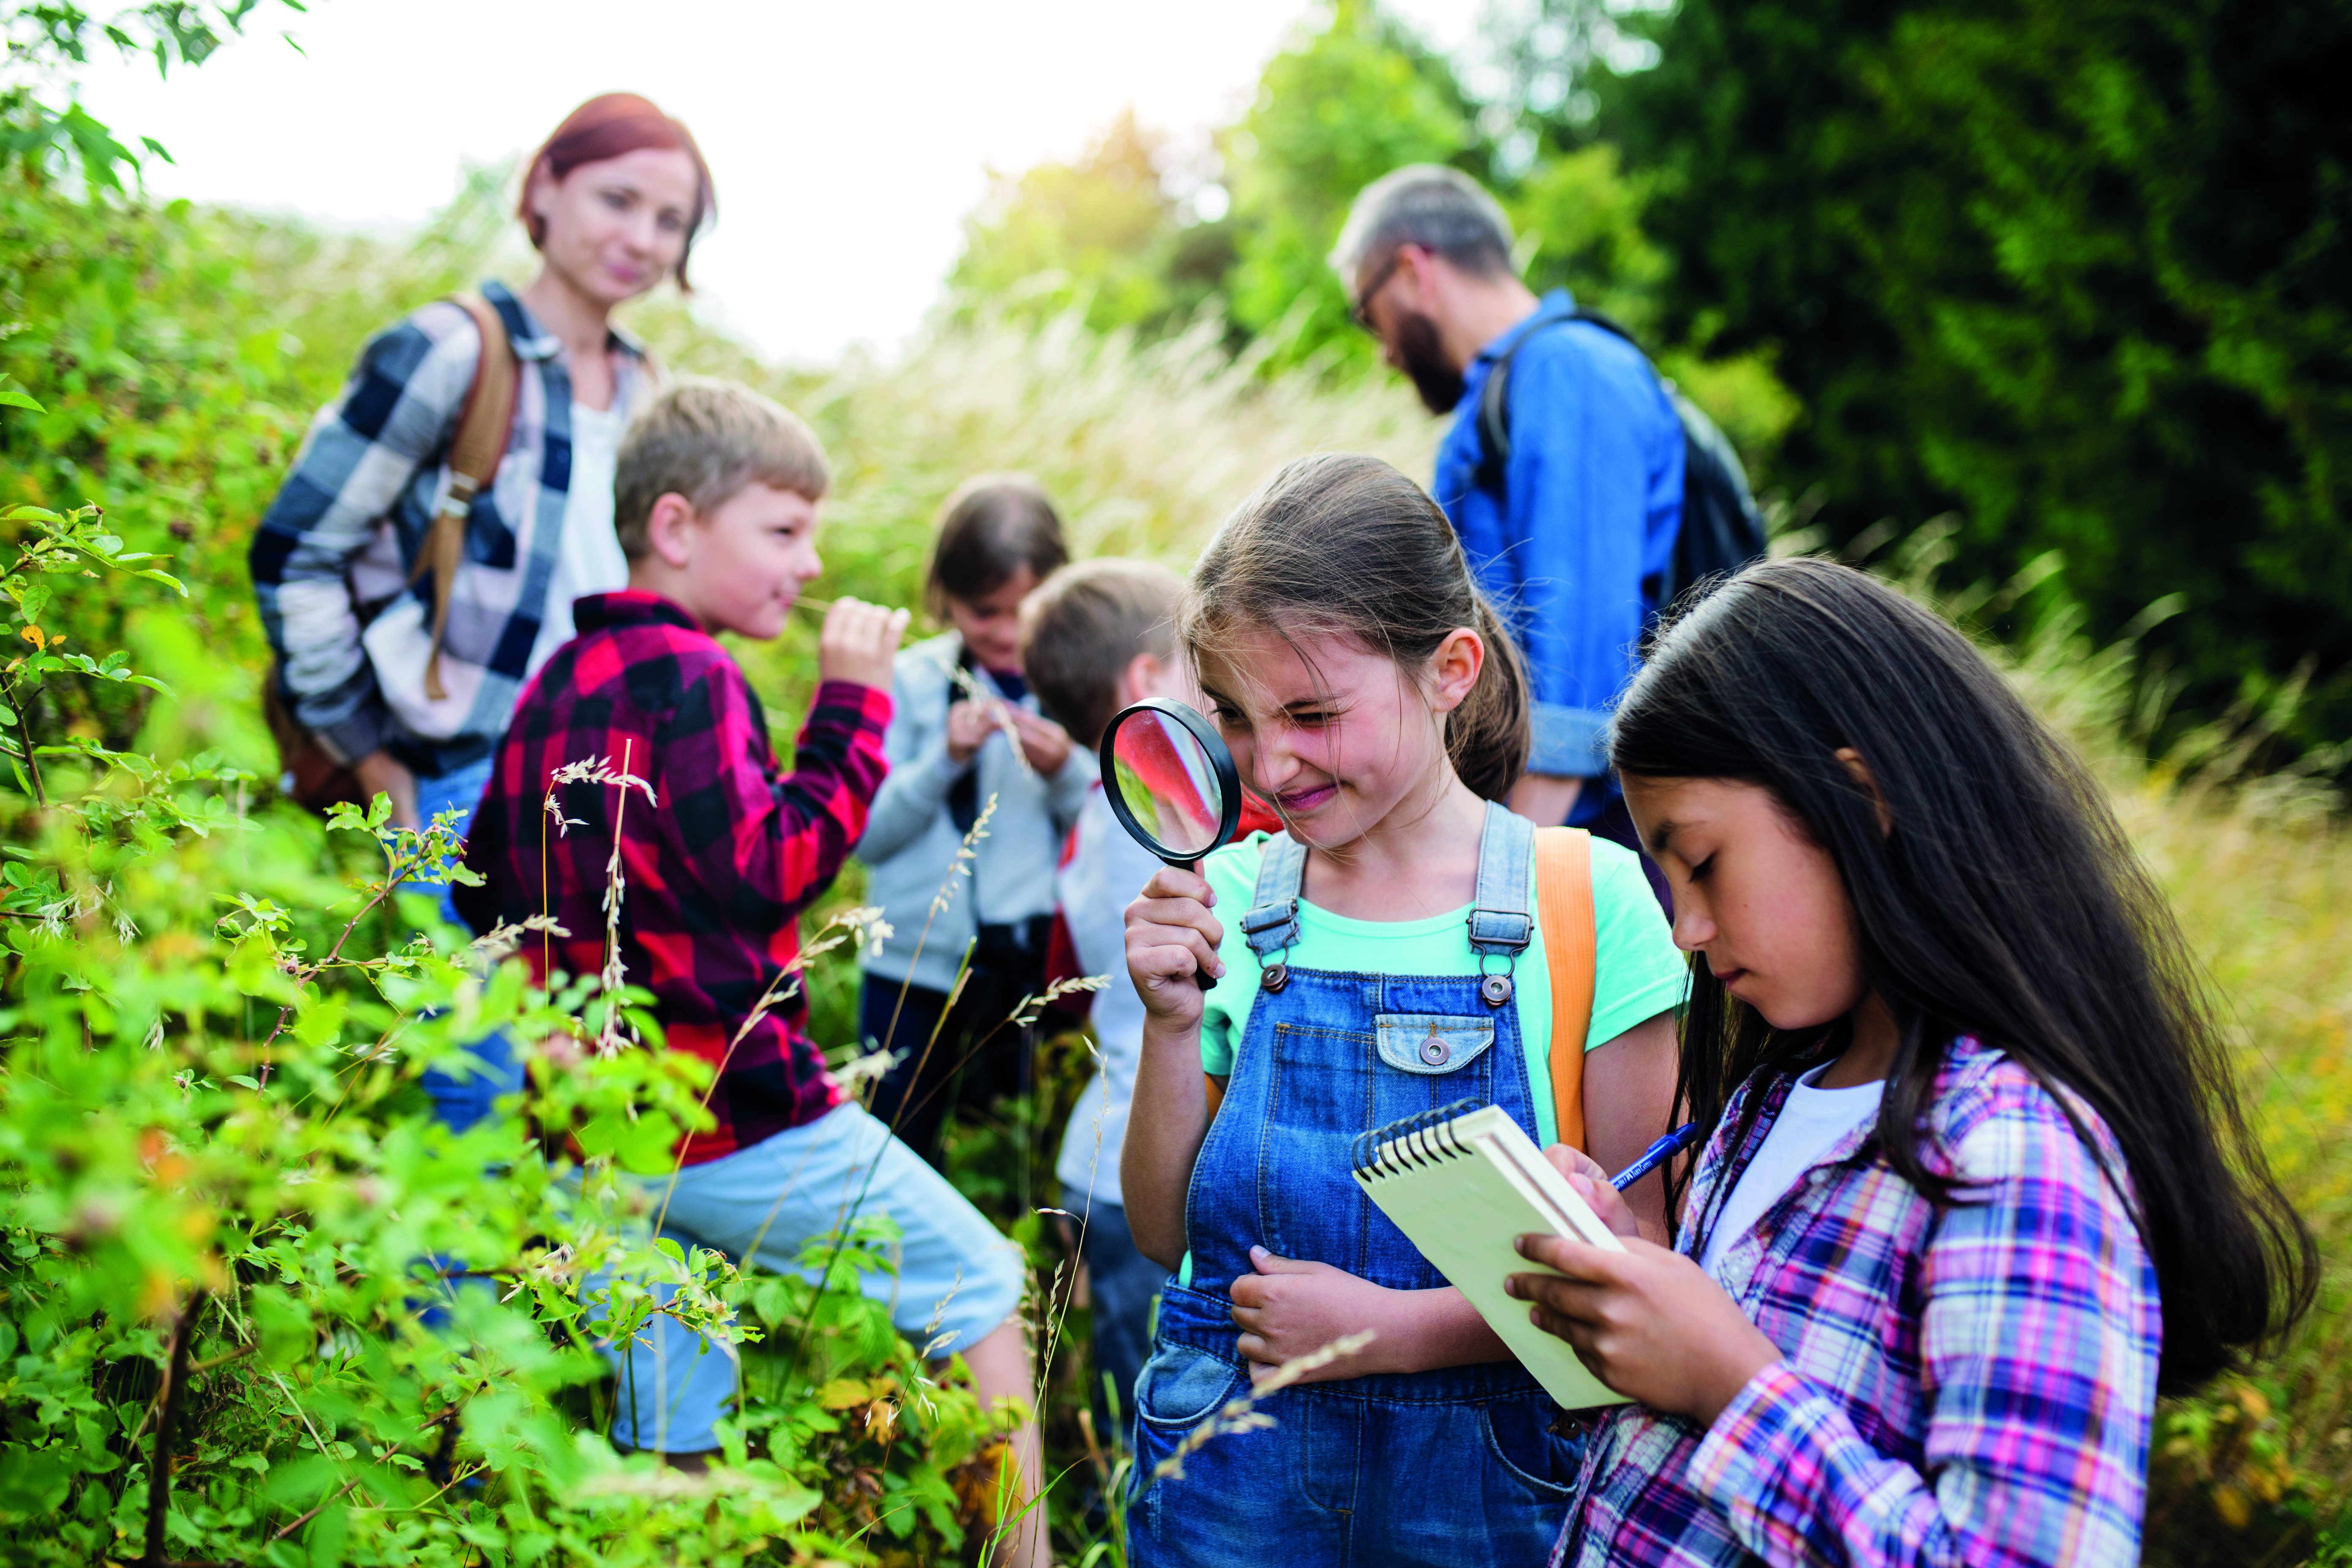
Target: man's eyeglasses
x,y
1362,313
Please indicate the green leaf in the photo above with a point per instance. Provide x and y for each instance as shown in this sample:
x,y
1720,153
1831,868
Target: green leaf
x,y
11,398
327,1534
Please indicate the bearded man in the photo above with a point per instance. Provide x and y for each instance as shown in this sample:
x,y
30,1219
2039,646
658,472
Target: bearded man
x,y
1569,531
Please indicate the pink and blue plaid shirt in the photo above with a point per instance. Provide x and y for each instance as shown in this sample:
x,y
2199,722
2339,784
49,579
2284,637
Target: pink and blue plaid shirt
x,y
1972,1384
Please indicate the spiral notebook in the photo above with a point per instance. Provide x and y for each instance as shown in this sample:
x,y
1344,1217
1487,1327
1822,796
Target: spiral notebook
x,y
1464,1184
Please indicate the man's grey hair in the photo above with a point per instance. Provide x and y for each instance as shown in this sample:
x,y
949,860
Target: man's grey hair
x,y
1428,204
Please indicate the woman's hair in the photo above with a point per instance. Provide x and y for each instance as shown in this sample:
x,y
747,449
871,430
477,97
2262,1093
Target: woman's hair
x,y
610,126
2005,903
1346,546
994,525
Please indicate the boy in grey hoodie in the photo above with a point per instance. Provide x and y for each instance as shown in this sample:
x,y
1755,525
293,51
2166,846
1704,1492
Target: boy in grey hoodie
x,y
965,732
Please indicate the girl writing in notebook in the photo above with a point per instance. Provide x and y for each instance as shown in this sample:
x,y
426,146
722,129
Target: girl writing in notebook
x,y
1978,1190
1367,691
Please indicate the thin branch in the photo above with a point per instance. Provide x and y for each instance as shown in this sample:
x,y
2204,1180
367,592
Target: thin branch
x,y
159,1475
321,1508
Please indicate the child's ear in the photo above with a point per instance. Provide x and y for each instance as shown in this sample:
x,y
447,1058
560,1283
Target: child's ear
x,y
1453,668
1139,679
666,529
1854,764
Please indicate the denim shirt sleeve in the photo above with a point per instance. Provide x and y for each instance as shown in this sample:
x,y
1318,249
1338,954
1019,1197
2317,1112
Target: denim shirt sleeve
x,y
1577,499
1591,499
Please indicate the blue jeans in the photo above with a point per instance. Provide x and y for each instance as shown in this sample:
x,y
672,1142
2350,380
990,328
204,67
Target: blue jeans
x,y
1459,1467
459,791
460,1101
959,1278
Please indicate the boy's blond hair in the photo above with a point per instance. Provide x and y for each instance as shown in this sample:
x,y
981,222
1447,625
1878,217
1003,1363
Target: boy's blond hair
x,y
1083,626
706,440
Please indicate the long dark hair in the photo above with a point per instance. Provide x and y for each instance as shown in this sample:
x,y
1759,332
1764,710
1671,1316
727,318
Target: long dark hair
x,y
1345,545
2005,904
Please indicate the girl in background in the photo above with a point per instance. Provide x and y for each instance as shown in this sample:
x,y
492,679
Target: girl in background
x,y
965,730
1370,694
1979,1189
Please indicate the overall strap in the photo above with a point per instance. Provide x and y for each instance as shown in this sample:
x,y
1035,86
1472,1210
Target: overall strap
x,y
1498,921
1272,922
1564,905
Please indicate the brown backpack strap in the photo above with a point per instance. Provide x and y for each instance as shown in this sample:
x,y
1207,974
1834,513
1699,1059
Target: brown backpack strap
x,y
1564,911
485,422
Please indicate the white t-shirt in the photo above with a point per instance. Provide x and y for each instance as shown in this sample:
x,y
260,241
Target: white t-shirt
x,y
588,560
1106,870
1810,1122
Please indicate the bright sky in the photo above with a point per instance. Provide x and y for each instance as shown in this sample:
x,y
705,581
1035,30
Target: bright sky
x,y
847,142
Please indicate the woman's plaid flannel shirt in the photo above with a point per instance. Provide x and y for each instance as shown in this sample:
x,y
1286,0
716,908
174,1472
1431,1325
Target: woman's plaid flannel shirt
x,y
718,865
1972,1384
331,560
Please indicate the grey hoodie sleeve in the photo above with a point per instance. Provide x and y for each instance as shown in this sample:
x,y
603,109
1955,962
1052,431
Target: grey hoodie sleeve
x,y
1065,791
912,797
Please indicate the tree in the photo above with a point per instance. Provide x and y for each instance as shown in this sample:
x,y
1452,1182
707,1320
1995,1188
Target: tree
x,y
1351,100
1105,235
2077,272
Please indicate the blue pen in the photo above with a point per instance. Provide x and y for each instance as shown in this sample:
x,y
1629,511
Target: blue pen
x,y
1656,1154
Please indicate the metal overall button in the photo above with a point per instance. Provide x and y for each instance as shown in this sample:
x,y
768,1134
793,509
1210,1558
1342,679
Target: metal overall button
x,y
1274,976
1434,1050
1495,990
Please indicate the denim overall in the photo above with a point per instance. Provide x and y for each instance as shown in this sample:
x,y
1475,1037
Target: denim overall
x,y
1469,1464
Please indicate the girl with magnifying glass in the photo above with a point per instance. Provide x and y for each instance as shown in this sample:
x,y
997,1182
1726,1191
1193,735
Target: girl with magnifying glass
x,y
1367,691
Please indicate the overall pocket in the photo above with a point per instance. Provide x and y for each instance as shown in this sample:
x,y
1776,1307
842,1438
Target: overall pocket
x,y
1429,1044
1179,1387
1535,1445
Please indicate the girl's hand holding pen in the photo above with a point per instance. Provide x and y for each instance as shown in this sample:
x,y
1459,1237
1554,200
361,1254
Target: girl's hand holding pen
x,y
1648,1321
1171,938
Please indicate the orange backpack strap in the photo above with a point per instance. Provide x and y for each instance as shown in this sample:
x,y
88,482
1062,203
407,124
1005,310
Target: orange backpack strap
x,y
485,421
1564,911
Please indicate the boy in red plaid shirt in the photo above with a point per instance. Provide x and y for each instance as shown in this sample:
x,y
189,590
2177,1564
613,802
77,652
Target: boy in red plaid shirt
x,y
715,503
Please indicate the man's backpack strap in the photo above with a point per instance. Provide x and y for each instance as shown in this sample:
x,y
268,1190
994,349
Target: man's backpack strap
x,y
1565,912
484,423
1495,397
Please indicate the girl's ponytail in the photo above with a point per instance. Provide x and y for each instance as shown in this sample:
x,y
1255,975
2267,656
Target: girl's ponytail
x,y
1346,545
1489,735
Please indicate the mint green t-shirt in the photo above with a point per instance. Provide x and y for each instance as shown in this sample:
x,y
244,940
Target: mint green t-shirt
x,y
1638,973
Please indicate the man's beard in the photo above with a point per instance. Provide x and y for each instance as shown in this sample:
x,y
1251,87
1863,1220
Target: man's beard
x,y
1421,359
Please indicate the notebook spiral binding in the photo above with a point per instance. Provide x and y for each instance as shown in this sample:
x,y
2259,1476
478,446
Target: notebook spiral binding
x,y
1414,1143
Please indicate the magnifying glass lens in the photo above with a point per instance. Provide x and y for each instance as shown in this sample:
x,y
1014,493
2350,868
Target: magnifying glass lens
x,y
1170,783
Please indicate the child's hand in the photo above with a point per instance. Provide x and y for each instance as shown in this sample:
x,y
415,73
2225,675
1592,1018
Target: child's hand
x,y
1650,1323
1591,1182
1171,937
858,642
969,724
1045,744
1290,1309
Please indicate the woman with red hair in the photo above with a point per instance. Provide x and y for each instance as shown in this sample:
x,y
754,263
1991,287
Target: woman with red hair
x,y
408,681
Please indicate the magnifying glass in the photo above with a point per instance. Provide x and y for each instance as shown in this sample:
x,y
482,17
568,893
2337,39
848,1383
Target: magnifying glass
x,y
1171,782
